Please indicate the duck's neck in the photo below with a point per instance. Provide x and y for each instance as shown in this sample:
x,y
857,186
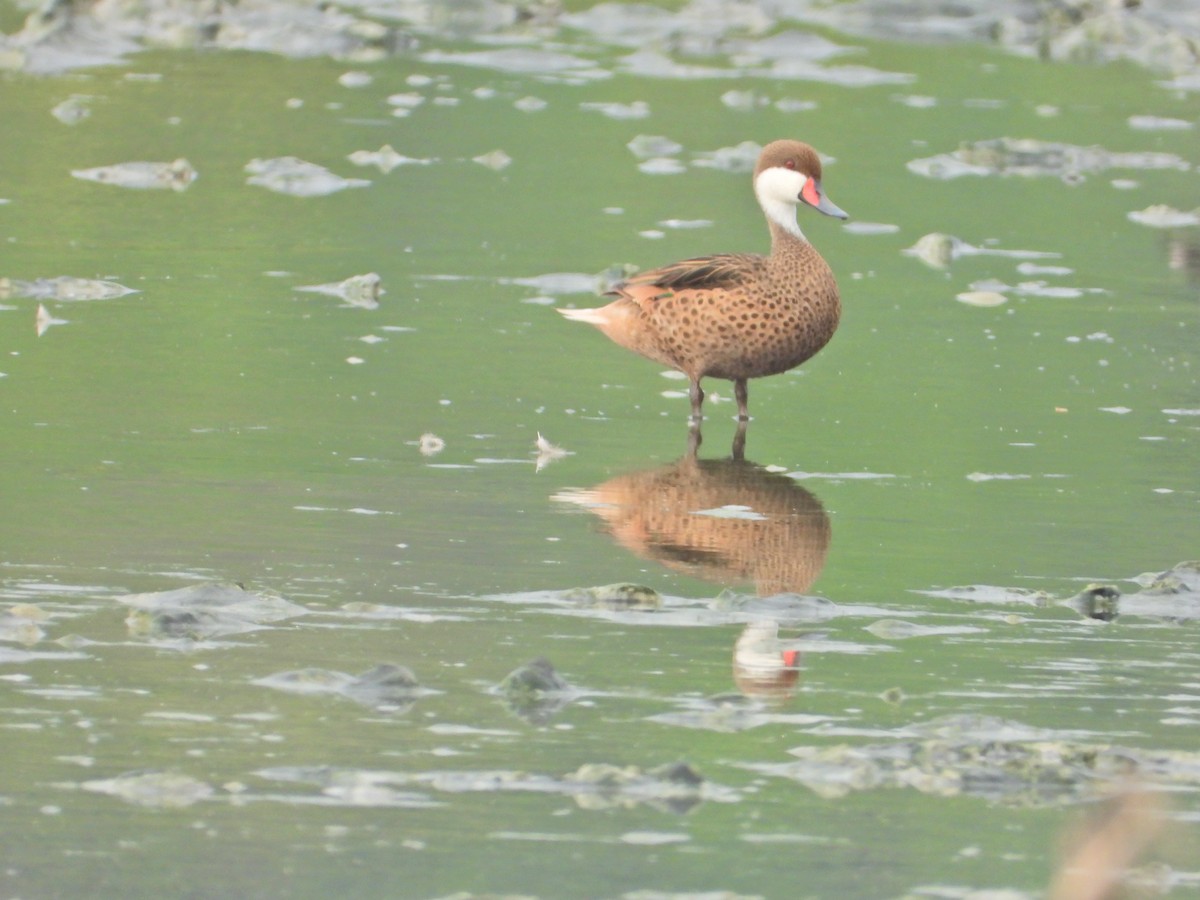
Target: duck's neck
x,y
786,235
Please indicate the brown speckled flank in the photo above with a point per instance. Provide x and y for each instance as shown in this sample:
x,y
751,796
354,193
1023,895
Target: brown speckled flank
x,y
736,316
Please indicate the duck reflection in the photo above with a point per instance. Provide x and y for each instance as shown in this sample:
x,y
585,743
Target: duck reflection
x,y
1183,255
728,521
763,665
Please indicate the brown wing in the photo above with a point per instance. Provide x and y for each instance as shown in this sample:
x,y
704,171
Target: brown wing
x,y
726,270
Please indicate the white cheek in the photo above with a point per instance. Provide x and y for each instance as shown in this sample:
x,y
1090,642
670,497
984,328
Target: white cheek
x,y
779,185
778,192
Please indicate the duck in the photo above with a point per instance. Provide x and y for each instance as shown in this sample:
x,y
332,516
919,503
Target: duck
x,y
736,316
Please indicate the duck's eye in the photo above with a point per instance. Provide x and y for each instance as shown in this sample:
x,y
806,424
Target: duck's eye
x,y
791,163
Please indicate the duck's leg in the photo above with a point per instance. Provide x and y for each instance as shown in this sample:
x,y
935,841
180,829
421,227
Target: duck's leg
x,y
697,397
695,438
738,450
742,394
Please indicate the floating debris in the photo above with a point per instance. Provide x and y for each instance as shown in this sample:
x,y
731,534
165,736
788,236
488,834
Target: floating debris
x,y
289,175
747,35
731,713
645,146
1159,123
535,691
165,790
203,611
899,629
727,609
58,38
980,756
916,101
64,288
870,228
355,79
1029,157
176,175
352,787
1029,268
360,291
385,159
530,104
1181,578
1096,601
385,687
981,298
787,608
1163,216
1083,32
494,160
680,224
744,101
791,105
1037,289
523,60
430,444
364,610
534,678
74,109
638,109
845,76
20,625
938,250
635,24
574,282
44,321
661,165
801,475
650,63
547,452
20,657
675,787
740,158
403,104
986,593
1173,595
614,596
893,696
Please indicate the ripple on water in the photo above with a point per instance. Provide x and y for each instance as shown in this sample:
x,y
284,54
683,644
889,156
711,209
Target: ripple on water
x,y
1030,157
1164,216
673,787
64,288
361,291
386,687
176,175
993,759
524,61
298,178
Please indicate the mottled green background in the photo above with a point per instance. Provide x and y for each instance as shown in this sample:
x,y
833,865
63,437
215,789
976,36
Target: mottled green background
x,y
210,426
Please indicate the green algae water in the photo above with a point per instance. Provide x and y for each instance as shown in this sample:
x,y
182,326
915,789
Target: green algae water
x,y
419,471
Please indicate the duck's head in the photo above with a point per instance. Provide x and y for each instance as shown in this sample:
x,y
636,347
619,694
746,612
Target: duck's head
x,y
788,173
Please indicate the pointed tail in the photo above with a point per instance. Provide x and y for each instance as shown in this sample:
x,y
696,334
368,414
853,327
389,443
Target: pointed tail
x,y
591,316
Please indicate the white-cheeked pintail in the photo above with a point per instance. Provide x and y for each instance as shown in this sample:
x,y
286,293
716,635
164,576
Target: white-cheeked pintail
x,y
738,315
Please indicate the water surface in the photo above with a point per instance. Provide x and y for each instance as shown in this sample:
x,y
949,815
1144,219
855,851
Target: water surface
x,y
943,474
